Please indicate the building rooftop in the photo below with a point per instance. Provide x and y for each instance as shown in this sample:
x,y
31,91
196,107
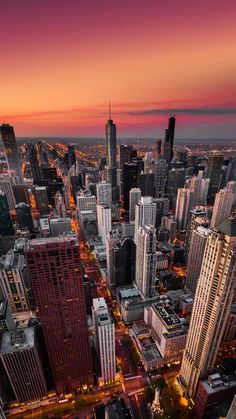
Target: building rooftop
x,y
129,293
52,241
228,227
13,341
168,316
150,353
59,220
99,303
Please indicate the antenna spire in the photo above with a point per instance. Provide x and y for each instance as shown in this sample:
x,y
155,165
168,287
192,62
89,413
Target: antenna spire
x,y
109,110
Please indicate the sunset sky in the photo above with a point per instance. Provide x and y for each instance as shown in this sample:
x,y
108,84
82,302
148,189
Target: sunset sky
x,y
63,60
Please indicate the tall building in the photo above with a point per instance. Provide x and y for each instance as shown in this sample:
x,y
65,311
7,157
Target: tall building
x,y
55,272
169,140
176,179
145,214
12,281
41,197
24,217
6,226
183,207
134,197
111,151
112,238
6,187
232,411
146,260
86,202
158,147
194,184
125,154
222,206
104,193
104,339
60,205
146,183
148,160
160,176
124,257
6,318
212,305
130,180
195,256
11,150
104,221
214,169
22,361
34,162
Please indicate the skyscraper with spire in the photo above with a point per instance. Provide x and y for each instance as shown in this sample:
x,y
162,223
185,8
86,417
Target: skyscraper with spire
x,y
111,173
168,144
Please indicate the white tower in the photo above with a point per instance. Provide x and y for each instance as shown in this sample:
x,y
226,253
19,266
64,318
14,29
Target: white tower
x,y
146,260
222,206
145,214
104,221
134,197
183,207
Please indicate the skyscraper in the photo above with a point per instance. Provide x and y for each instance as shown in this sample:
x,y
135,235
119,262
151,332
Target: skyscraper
x,y
6,187
222,206
148,160
34,163
11,150
124,257
134,197
145,214
22,361
212,305
146,260
214,169
169,140
183,207
6,226
160,176
104,193
125,154
146,183
111,175
130,176
55,272
104,339
24,217
41,196
104,221
112,238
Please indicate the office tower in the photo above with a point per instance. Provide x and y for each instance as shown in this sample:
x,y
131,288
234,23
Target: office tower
x,y
194,184
183,156
183,207
86,202
146,183
130,180
71,156
204,190
104,339
231,174
146,260
60,226
22,361
11,150
158,147
176,179
145,214
148,160
214,167
170,224
124,257
21,194
112,238
6,226
41,197
60,205
12,281
111,176
222,207
197,217
231,185
212,305
195,256
6,319
162,205
169,140
55,272
125,154
24,217
34,163
6,187
160,176
134,197
104,221
104,193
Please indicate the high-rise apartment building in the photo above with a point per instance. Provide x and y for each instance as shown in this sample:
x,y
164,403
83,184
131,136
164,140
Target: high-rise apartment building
x,y
11,150
104,221
55,273
146,260
12,284
104,339
212,305
183,207
6,226
145,214
104,193
22,362
160,176
222,206
134,197
195,256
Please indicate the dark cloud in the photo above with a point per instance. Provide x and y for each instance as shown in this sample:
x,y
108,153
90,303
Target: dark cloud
x,y
185,111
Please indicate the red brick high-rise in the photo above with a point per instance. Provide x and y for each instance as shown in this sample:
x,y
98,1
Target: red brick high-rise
x,y
56,277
